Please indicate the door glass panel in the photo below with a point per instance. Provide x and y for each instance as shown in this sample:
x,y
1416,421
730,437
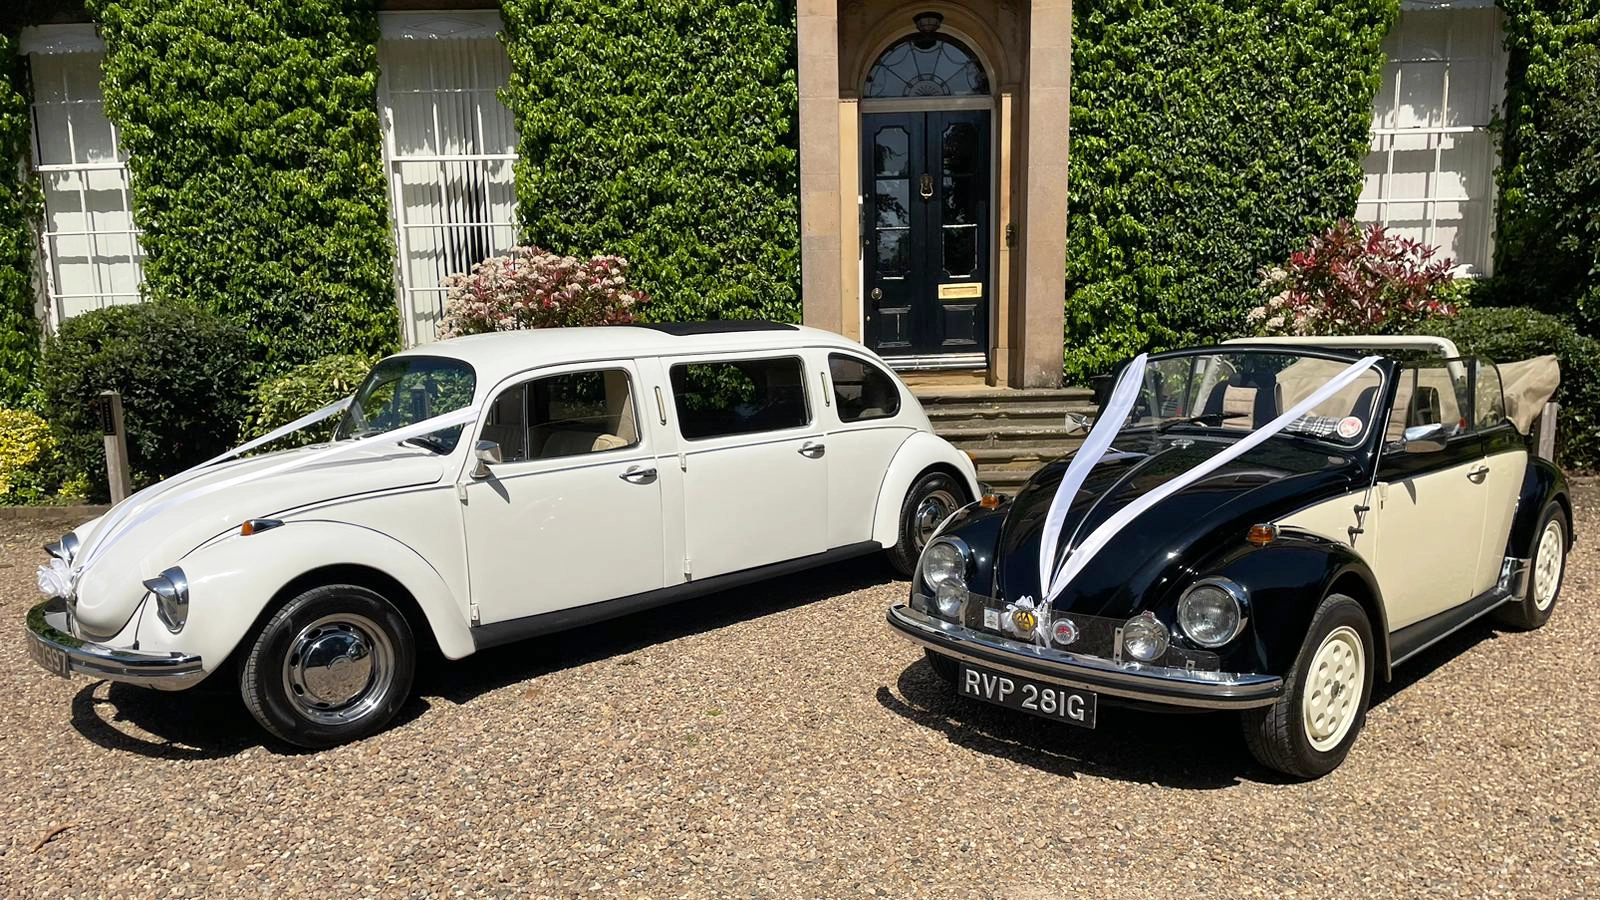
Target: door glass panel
x,y
893,201
1489,399
960,148
894,252
890,150
861,390
716,399
960,250
960,202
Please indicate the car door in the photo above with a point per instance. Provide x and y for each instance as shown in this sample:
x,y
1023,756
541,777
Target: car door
x,y
754,461
1431,494
1505,461
863,404
572,515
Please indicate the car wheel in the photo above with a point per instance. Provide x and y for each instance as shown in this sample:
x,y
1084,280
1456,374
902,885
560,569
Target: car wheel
x,y
929,502
1309,730
1545,570
332,665
943,666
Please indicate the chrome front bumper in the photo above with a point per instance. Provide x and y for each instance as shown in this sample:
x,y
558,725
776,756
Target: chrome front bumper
x,y
54,648
1160,685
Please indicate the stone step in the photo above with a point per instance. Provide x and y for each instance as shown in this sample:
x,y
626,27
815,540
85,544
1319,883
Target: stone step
x,y
1056,412
934,396
1006,479
1055,443
991,456
1001,431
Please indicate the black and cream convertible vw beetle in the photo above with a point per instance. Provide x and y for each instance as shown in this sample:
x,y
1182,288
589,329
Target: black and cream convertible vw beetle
x,y
1281,583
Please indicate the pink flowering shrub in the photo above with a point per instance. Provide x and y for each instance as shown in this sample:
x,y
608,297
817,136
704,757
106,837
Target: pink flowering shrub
x,y
1354,279
534,288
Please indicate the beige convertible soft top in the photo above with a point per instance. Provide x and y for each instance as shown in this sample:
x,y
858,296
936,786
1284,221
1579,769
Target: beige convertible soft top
x,y
1529,385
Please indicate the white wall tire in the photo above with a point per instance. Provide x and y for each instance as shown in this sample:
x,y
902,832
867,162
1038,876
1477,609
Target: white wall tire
x,y
1309,731
1546,569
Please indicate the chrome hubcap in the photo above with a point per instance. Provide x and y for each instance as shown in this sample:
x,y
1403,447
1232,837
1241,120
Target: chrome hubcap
x,y
338,669
1333,688
1547,567
930,514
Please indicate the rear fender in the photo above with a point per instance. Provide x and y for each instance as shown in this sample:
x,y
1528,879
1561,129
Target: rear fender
x,y
915,456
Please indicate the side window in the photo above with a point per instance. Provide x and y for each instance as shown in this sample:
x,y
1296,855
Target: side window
x,y
861,391
1488,395
743,396
1432,392
564,415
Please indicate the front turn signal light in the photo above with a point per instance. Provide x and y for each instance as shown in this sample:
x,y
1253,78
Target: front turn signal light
x,y
256,526
1262,535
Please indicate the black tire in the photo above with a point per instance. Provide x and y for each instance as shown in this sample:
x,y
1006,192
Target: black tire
x,y
1278,735
931,499
943,666
370,662
1534,609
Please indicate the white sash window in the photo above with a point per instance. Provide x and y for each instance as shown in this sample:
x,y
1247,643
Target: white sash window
x,y
449,145
91,247
1430,174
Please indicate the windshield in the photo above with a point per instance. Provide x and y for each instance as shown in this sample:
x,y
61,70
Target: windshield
x,y
1243,391
404,390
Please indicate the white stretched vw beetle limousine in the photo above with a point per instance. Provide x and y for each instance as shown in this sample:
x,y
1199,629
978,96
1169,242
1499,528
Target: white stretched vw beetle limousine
x,y
491,488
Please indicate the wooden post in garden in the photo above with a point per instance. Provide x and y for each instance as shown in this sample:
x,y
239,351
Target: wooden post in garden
x,y
116,437
1545,431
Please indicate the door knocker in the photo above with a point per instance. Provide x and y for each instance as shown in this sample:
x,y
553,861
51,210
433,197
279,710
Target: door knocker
x,y
927,187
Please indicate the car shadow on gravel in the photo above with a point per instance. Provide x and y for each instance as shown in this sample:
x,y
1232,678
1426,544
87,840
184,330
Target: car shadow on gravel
x,y
1196,751
488,670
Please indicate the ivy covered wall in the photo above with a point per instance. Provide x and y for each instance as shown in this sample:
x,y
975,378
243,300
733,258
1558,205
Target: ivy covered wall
x,y
1548,238
19,211
254,143
663,131
1209,139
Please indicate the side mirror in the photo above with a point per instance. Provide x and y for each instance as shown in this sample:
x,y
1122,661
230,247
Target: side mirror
x,y
1423,439
487,453
1078,422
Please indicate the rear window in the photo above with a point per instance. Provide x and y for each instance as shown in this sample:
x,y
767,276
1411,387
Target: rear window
x,y
745,396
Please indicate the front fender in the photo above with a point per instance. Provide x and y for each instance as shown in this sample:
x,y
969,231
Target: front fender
x,y
232,581
1286,581
919,451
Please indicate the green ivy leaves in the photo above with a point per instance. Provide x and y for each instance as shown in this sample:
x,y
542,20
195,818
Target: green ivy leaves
x,y
19,210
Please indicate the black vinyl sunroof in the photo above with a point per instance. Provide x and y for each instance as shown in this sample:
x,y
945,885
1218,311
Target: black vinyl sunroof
x,y
720,326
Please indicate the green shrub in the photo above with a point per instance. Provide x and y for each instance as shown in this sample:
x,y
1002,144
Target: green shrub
x,y
663,131
304,390
29,463
184,375
254,141
1508,335
1209,140
533,288
1548,240
19,210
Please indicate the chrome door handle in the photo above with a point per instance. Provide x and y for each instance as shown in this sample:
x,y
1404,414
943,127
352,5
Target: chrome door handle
x,y
639,474
813,449
1478,473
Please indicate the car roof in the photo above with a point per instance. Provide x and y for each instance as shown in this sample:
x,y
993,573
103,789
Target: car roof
x,y
1381,342
502,353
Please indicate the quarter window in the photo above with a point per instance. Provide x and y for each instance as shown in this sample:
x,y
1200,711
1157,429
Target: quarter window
x,y
1432,393
1488,395
746,396
571,414
861,391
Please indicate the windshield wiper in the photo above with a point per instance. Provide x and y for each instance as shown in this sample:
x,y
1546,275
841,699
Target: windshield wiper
x,y
1216,418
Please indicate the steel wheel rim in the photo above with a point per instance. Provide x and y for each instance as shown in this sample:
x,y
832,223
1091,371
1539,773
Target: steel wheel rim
x,y
931,512
338,669
1547,565
1333,688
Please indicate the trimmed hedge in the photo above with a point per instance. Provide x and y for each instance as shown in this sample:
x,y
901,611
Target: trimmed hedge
x,y
1548,240
1509,335
19,211
663,131
184,375
254,143
1209,139
301,391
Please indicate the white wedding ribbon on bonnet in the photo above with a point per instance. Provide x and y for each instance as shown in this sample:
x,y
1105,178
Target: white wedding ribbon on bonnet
x,y
162,499
1114,415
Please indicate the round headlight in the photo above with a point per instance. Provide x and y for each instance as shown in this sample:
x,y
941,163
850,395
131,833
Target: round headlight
x,y
172,598
1211,613
944,572
1144,637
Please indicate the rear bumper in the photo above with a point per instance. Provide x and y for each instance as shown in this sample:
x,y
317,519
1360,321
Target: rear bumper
x,y
1159,685
54,648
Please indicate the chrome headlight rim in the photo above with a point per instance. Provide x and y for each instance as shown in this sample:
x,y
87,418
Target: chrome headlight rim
x,y
949,592
171,589
1241,605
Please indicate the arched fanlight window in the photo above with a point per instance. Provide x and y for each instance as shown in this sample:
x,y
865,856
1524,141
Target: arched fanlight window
x,y
927,66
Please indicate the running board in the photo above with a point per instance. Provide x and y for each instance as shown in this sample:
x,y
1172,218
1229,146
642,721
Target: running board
x,y
1419,636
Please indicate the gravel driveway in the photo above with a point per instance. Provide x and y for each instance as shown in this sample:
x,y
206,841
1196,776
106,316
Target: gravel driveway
x,y
776,741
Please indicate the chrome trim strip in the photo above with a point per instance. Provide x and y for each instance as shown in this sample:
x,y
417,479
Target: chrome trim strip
x,y
1514,577
1135,681
47,625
